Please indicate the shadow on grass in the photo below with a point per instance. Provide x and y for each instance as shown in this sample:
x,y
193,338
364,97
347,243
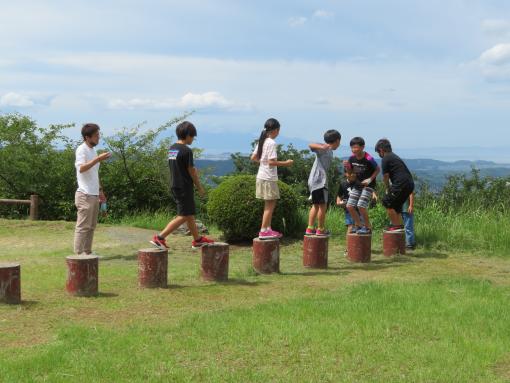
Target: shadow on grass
x,y
106,295
311,273
429,254
122,257
28,304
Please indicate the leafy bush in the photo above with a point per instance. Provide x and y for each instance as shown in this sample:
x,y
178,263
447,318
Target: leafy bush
x,y
232,206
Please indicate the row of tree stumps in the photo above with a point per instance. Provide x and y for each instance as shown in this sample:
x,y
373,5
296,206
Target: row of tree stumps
x,y
83,271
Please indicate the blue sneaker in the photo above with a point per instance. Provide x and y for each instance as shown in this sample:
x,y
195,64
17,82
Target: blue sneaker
x,y
354,230
364,230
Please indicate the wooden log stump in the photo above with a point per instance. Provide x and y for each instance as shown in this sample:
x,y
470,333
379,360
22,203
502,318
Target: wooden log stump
x,y
82,275
315,252
394,242
359,247
10,283
214,265
152,268
266,255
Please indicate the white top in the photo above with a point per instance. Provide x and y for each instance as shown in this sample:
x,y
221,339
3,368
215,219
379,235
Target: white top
x,y
266,172
88,182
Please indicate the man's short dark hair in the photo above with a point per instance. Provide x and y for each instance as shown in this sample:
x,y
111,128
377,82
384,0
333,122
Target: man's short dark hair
x,y
88,130
332,136
384,145
357,141
185,129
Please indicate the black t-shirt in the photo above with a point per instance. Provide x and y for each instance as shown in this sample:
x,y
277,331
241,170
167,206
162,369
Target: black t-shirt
x,y
394,166
364,168
180,158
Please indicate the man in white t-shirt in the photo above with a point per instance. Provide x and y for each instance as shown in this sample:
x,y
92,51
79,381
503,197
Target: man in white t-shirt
x,y
89,193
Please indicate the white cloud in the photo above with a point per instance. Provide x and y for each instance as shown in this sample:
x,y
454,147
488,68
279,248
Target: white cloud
x,y
297,21
16,100
207,100
322,14
495,63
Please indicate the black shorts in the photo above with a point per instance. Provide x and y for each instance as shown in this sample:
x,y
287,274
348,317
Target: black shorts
x,y
397,196
320,196
185,201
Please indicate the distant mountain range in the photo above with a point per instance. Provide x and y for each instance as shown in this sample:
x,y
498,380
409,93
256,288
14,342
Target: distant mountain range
x,y
434,172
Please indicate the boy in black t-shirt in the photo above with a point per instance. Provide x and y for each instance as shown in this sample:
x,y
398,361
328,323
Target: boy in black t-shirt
x,y
364,166
402,184
184,177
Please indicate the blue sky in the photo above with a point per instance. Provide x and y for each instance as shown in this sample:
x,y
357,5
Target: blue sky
x,y
425,74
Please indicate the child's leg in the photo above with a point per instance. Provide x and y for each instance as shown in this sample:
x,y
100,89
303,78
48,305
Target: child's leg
x,y
409,229
352,202
192,226
363,203
269,206
321,215
172,226
313,215
395,218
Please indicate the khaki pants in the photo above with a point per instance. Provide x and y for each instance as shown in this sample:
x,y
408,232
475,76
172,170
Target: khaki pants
x,y
88,210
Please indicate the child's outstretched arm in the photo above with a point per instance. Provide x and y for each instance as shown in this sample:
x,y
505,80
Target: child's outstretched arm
x,y
318,147
274,162
372,177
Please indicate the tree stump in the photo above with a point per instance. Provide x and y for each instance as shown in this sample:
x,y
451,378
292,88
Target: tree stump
x,y
152,268
359,247
82,275
214,265
394,242
315,252
266,255
10,283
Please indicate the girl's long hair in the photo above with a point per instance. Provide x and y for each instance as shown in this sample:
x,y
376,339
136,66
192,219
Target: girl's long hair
x,y
269,126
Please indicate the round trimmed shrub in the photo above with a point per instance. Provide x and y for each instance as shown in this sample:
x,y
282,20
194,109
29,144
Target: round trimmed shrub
x,y
232,206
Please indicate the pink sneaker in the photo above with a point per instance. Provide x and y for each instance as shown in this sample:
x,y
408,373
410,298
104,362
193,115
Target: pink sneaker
x,y
268,234
310,231
276,233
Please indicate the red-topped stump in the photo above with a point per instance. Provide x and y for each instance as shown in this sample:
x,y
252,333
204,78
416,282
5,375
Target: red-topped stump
x,y
315,251
215,262
152,268
266,255
10,283
359,247
394,242
82,275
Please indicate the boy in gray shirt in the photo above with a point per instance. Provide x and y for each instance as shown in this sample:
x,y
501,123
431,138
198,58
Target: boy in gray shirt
x,y
318,182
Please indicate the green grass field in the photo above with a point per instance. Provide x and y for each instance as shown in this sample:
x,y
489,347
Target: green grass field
x,y
431,316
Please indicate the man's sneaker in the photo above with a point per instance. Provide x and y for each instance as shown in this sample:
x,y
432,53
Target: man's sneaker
x,y
354,230
202,241
395,228
322,233
310,231
159,243
364,230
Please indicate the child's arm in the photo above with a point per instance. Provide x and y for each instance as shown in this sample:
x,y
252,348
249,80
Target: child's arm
x,y
196,180
317,147
411,204
368,181
274,162
254,157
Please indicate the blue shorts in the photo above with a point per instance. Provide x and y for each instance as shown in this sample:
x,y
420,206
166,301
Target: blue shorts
x,y
349,220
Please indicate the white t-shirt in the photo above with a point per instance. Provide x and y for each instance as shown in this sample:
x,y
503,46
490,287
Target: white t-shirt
x,y
88,182
266,172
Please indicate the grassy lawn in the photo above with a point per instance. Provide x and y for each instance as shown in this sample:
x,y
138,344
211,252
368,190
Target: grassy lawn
x,y
432,316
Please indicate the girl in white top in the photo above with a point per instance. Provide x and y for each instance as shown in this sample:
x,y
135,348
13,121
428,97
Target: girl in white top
x,y
267,176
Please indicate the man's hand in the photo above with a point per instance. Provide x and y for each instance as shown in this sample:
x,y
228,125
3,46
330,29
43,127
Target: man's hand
x,y
103,156
410,209
289,162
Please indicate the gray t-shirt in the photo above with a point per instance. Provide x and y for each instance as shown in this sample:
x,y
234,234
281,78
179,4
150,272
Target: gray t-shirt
x,y
319,175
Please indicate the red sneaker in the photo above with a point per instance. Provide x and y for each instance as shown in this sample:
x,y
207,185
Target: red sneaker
x,y
159,243
202,241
